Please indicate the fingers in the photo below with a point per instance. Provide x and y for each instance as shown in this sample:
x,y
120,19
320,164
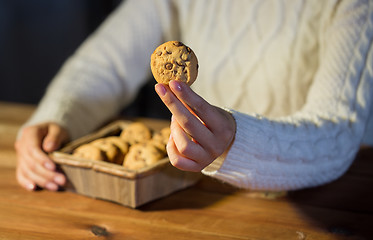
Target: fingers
x,y
219,122
23,181
186,146
37,175
34,167
180,162
55,137
190,124
194,102
33,151
200,132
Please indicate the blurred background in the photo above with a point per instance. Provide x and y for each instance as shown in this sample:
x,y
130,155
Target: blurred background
x,y
36,37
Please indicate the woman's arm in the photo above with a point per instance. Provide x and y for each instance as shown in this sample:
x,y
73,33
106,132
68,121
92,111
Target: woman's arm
x,y
106,72
102,77
317,144
310,147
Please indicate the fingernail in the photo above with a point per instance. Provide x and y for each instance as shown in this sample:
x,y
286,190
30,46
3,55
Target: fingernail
x,y
161,90
48,146
51,186
176,85
30,186
49,166
60,180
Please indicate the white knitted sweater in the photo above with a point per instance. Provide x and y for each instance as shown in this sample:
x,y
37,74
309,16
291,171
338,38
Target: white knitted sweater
x,y
297,73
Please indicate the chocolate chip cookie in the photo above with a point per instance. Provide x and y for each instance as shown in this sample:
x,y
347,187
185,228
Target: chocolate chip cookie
x,y
160,139
136,132
174,61
120,143
112,152
142,155
88,151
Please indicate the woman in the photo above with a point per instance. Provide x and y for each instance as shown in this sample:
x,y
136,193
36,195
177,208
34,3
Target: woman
x,y
286,89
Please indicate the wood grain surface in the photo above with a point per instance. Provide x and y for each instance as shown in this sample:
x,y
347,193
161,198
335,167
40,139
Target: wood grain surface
x,y
209,210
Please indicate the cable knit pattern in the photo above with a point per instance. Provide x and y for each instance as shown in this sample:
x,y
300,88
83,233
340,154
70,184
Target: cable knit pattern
x,y
296,75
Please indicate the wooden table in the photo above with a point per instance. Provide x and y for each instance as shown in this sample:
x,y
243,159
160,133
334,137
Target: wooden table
x,y
209,210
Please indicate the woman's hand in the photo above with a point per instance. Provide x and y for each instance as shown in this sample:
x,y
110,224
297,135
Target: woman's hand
x,y
34,167
200,132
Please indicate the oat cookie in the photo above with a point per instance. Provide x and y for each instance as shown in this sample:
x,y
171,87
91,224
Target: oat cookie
x,y
90,152
136,133
174,61
142,155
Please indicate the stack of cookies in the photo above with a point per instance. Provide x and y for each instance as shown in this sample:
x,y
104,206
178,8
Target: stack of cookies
x,y
136,147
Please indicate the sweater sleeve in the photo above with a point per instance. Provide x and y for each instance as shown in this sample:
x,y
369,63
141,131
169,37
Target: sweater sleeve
x,y
318,143
106,72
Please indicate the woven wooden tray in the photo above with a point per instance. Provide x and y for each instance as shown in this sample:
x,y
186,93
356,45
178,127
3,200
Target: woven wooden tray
x,y
113,182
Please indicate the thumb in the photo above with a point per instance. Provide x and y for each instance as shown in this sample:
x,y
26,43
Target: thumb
x,y
55,137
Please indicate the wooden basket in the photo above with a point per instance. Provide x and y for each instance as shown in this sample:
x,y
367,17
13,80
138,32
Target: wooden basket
x,y
108,181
